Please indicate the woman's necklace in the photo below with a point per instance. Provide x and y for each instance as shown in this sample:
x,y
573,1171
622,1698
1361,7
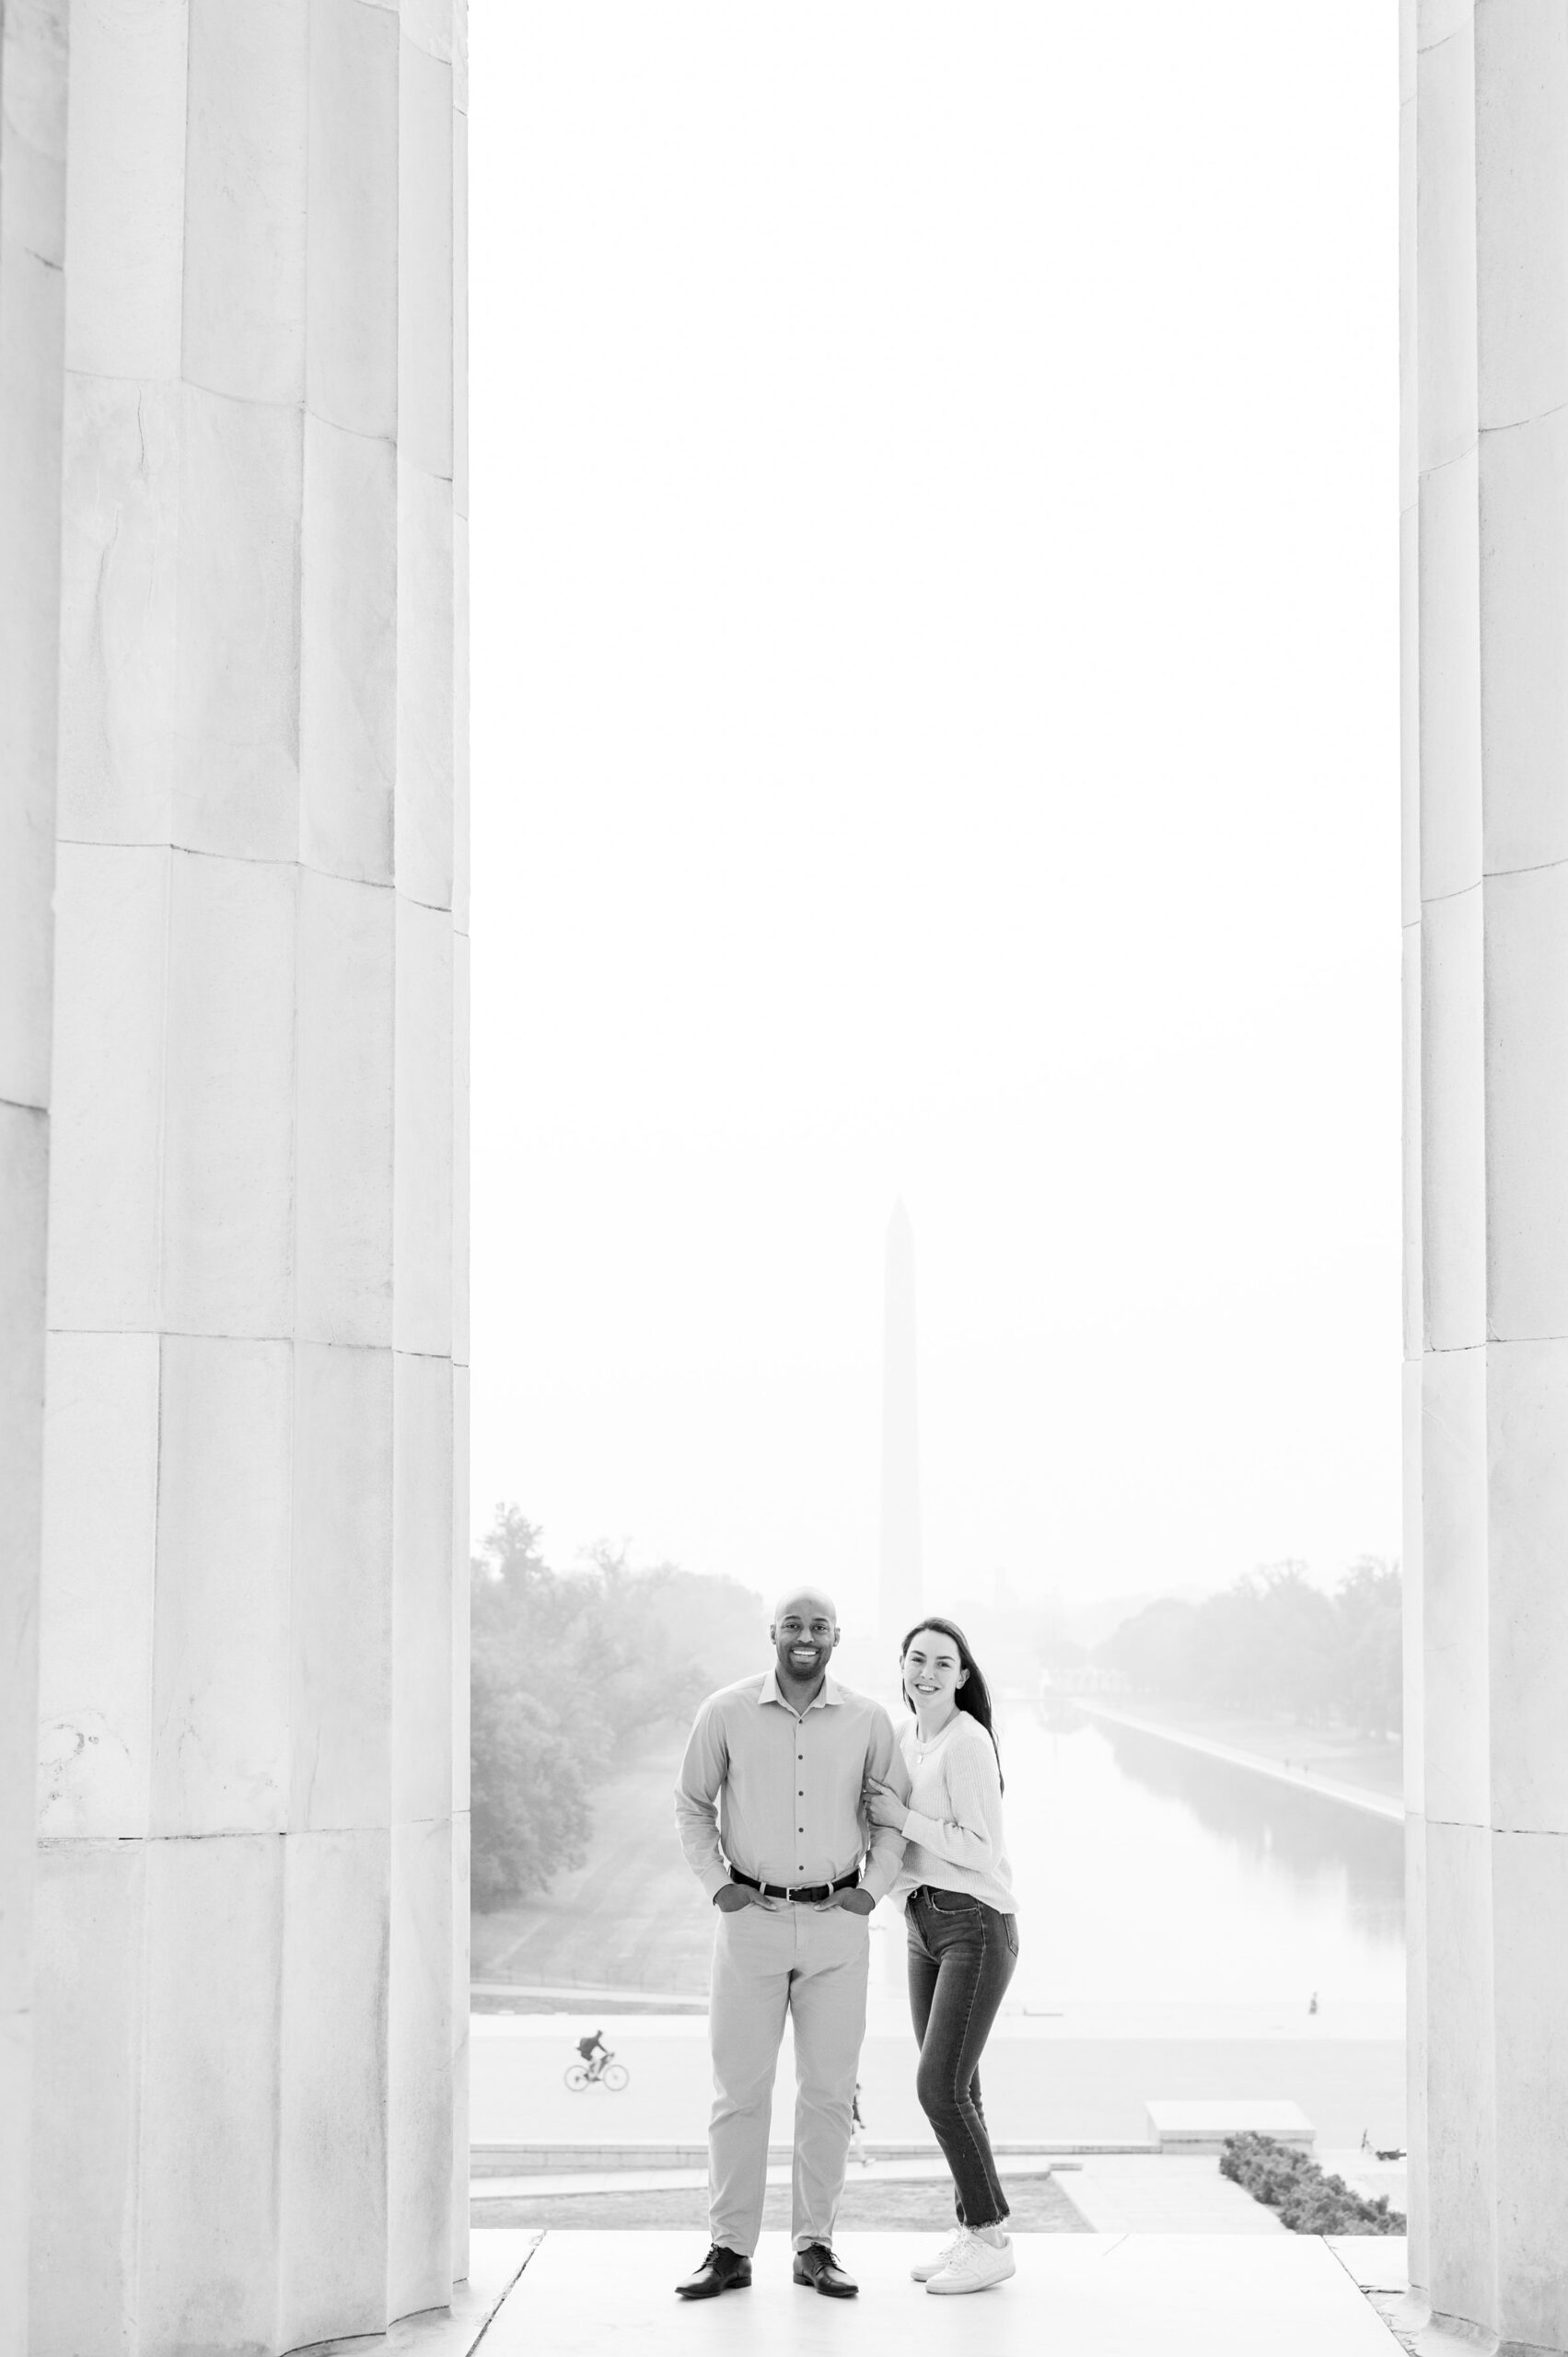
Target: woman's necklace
x,y
925,1743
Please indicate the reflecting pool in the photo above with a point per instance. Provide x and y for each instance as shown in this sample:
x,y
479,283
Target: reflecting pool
x,y
1146,1871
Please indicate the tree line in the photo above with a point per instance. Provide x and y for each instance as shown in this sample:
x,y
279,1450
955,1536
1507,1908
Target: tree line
x,y
570,1671
1275,1642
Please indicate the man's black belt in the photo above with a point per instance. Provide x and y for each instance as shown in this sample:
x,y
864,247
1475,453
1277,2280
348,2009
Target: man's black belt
x,y
801,1890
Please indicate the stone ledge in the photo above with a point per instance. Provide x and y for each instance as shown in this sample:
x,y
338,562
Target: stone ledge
x,y
1187,2127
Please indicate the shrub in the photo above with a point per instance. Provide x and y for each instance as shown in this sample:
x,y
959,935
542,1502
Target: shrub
x,y
1308,2201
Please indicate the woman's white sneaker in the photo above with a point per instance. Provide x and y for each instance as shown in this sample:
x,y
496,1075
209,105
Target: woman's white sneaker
x,y
925,2269
975,2266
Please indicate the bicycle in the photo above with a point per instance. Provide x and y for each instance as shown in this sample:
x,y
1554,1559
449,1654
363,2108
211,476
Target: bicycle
x,y
604,2070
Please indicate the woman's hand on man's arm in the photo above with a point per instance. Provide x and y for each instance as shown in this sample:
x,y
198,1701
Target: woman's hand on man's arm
x,y
883,1806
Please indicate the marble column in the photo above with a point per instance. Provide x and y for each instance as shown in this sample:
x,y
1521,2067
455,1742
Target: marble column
x,y
1485,502
251,1885
32,158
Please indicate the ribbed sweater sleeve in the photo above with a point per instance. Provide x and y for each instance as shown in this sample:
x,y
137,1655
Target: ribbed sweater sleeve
x,y
969,1832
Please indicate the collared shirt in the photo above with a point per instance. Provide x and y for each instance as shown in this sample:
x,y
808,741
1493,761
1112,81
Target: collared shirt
x,y
779,1792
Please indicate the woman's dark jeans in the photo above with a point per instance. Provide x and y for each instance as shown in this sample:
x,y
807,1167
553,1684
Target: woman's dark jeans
x,y
962,1957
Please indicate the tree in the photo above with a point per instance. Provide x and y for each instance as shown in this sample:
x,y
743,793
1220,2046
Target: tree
x,y
1277,1643
530,1800
569,1669
1370,1605
1299,1665
529,1767
1155,1650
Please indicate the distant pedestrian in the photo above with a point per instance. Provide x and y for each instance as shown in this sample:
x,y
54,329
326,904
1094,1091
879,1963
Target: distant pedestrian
x,y
956,1891
769,1806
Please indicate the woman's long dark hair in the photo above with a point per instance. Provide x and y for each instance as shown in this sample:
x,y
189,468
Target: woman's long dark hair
x,y
975,1694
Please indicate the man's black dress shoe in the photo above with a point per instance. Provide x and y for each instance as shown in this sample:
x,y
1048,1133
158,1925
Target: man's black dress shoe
x,y
817,2269
722,2271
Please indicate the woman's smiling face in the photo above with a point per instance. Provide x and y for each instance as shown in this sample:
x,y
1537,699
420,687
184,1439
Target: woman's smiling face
x,y
932,1670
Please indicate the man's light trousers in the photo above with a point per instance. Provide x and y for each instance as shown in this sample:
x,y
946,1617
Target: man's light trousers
x,y
769,1960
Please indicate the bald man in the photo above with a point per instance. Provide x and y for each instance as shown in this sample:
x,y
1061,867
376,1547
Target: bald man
x,y
770,1809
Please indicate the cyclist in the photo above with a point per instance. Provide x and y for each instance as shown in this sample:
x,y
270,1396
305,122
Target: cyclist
x,y
594,2052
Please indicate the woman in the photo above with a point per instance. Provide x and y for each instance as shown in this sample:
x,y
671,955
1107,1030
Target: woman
x,y
955,1890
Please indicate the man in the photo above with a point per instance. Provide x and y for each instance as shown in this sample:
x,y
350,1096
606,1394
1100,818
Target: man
x,y
769,1808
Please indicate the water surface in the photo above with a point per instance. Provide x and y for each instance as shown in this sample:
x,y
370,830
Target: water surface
x,y
1144,1871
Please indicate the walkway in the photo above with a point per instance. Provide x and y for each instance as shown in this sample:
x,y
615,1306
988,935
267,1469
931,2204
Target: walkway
x,y
1096,2296
1282,1771
1083,2076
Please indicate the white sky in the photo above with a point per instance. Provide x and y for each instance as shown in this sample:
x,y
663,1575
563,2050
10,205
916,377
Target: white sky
x,y
935,732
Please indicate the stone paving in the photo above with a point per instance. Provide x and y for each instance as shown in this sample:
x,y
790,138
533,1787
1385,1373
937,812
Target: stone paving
x,y
564,2294
1096,2296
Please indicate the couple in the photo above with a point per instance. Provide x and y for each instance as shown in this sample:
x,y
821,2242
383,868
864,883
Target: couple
x,y
799,1808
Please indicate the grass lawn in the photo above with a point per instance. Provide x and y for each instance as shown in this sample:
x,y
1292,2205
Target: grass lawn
x,y
1038,2206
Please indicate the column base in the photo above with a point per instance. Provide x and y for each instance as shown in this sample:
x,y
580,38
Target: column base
x,y
1452,2337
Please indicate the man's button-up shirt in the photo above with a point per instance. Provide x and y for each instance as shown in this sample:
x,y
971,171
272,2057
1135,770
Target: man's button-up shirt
x,y
778,1793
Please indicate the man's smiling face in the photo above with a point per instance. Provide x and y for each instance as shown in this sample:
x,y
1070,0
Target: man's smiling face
x,y
805,1631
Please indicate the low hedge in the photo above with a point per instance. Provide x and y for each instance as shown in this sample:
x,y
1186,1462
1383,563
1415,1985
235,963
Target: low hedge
x,y
1308,2201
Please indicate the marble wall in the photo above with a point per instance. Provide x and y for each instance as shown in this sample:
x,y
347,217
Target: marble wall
x,y
32,214
249,1966
1485,536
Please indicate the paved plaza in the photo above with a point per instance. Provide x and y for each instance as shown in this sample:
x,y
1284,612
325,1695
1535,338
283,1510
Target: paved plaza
x,y
1096,2296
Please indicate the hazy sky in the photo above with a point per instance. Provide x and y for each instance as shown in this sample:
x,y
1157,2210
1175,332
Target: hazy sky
x,y
935,734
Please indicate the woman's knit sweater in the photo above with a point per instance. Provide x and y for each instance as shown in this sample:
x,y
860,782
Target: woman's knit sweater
x,y
953,1831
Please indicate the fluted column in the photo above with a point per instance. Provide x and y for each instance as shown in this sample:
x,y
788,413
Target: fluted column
x,y
1486,525
459,1580
32,158
250,1880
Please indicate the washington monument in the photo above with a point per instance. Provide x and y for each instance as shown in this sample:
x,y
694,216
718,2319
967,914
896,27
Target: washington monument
x,y
898,1595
